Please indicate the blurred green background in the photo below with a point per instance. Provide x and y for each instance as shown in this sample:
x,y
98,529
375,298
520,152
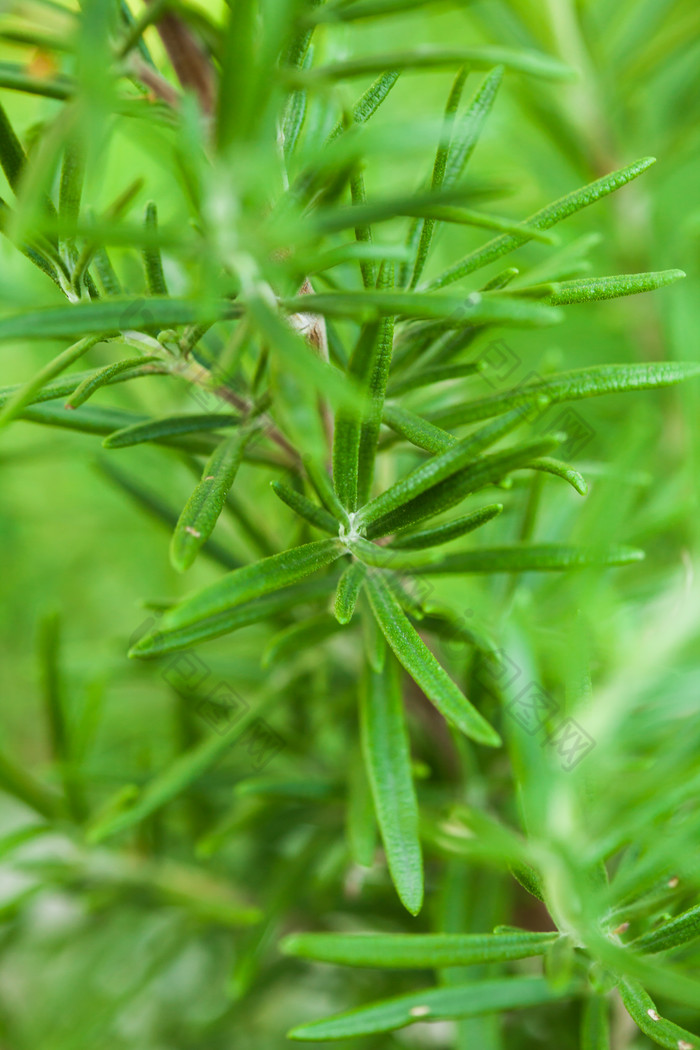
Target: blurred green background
x,y
99,968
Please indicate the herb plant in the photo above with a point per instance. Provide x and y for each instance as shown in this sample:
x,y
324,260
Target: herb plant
x,y
297,321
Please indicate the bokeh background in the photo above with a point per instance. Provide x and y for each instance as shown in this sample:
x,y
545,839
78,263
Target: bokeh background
x,y
92,957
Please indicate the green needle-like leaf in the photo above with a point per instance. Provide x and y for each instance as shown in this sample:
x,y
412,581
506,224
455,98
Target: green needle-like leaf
x,y
589,289
169,427
374,384
71,188
372,554
26,394
470,126
241,586
420,432
155,279
348,591
460,455
306,508
414,655
561,470
368,103
680,930
451,530
419,951
643,1012
543,220
356,430
454,311
432,1004
386,751
572,386
157,508
424,57
111,317
134,366
453,156
483,471
183,638
595,1025
443,150
201,512
542,558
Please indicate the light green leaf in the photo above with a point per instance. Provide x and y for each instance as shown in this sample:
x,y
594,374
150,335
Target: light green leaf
x,y
590,289
432,1004
643,1012
451,530
169,427
16,781
28,393
576,385
461,454
148,500
168,785
201,512
595,1024
155,279
348,591
413,654
543,220
232,619
561,470
420,432
368,103
419,951
110,317
531,558
239,587
470,126
456,312
133,366
443,150
374,555
483,471
679,930
426,57
386,751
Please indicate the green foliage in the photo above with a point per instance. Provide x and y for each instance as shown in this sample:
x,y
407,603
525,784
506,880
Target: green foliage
x,y
220,202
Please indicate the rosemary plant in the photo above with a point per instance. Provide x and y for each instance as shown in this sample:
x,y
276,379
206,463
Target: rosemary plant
x,y
289,318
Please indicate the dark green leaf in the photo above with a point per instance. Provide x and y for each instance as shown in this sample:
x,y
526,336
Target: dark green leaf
x,y
386,751
348,591
306,508
643,1012
201,512
413,654
451,530
239,587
